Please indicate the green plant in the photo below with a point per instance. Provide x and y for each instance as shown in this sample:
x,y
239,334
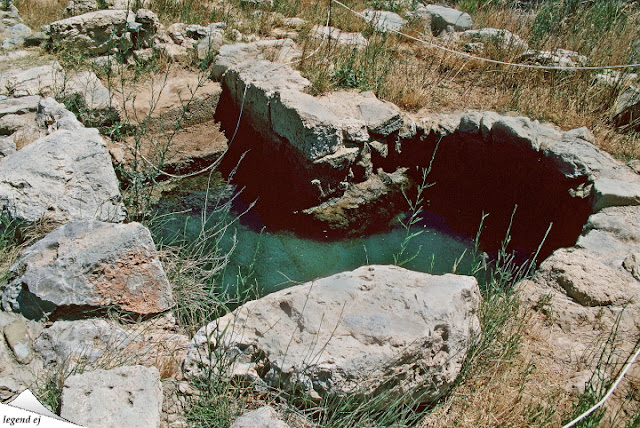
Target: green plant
x,y
415,210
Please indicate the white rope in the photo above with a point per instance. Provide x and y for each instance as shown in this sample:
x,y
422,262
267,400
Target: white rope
x,y
493,61
613,387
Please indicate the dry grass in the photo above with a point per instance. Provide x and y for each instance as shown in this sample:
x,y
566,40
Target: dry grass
x,y
37,13
514,392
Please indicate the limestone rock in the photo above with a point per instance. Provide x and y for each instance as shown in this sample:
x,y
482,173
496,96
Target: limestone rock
x,y
555,58
35,81
626,109
96,33
210,45
383,20
443,17
523,131
352,212
376,330
87,266
576,155
230,57
264,417
180,96
622,222
342,38
18,339
614,192
53,116
20,105
81,342
66,175
584,278
15,37
13,122
79,7
306,124
7,147
128,396
502,39
93,93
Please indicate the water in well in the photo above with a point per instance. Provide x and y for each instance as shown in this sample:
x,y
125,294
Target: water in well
x,y
274,259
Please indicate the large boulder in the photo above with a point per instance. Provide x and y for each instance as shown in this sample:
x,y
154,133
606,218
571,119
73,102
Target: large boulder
x,y
105,31
66,175
125,396
87,267
374,331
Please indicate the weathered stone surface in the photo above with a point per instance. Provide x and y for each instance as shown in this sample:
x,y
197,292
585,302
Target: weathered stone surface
x,y
383,20
351,211
584,278
65,175
376,329
556,58
210,44
95,33
40,80
523,131
128,396
502,39
575,155
626,109
17,336
81,342
87,266
12,122
79,7
17,376
443,17
7,147
94,94
621,222
20,105
340,37
230,57
381,118
179,96
54,116
15,36
306,123
610,192
632,265
264,417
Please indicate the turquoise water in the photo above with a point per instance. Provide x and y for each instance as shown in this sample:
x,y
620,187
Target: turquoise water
x,y
272,260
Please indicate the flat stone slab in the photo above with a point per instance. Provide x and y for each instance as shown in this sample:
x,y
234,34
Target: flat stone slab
x,y
81,342
20,105
89,266
610,192
129,396
362,333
